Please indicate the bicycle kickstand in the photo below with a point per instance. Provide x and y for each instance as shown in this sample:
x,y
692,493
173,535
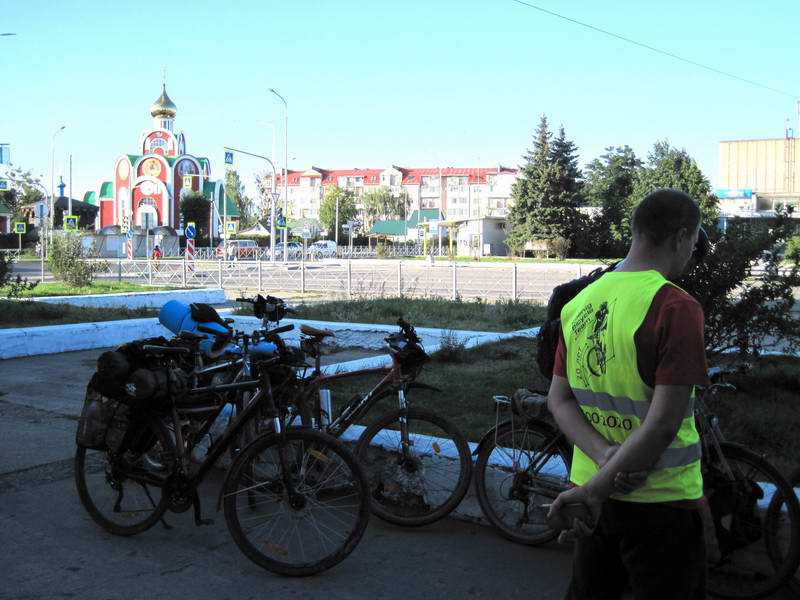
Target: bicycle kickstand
x,y
198,520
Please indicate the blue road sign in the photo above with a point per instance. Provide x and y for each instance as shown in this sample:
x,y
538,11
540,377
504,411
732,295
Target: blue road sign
x,y
129,235
228,158
191,232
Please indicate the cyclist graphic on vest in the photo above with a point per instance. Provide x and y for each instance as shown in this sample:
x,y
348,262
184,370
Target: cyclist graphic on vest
x,y
596,356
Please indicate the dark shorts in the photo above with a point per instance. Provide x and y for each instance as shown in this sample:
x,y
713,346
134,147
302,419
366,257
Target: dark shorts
x,y
657,550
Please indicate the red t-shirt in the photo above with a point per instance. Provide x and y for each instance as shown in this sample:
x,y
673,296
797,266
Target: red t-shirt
x,y
670,347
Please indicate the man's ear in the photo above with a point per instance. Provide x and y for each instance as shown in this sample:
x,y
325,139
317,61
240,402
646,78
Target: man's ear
x,y
678,237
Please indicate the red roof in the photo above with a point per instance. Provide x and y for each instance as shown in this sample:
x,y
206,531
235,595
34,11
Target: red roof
x,y
411,176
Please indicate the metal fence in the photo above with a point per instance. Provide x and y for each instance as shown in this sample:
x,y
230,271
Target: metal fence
x,y
357,278
11,253
342,252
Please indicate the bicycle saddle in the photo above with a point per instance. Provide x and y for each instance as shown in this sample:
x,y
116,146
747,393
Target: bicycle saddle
x,y
314,332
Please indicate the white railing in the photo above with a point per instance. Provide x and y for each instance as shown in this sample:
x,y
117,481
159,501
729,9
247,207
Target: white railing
x,y
490,281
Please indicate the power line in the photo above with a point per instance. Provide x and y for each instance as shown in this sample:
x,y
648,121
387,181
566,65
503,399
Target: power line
x,y
657,50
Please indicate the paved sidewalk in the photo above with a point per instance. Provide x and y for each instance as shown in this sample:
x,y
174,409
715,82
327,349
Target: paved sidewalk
x,y
55,550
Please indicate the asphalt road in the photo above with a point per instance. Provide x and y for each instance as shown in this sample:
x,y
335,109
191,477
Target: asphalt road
x,y
53,549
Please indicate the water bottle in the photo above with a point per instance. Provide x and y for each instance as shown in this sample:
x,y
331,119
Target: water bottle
x,y
215,432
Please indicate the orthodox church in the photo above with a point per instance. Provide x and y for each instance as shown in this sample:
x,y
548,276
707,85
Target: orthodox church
x,y
147,186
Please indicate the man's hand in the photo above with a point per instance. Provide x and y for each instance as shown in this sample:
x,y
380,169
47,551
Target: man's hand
x,y
578,527
624,483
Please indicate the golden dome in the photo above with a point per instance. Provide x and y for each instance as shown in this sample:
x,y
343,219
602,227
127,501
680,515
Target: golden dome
x,y
163,106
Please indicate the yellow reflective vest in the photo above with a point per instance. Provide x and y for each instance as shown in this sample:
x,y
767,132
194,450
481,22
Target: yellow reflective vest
x,y
599,326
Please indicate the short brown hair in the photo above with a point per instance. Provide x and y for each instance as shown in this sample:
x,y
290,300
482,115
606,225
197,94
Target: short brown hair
x,y
663,213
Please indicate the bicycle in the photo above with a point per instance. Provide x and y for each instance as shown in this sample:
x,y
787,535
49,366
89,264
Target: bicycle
x,y
418,463
523,462
295,500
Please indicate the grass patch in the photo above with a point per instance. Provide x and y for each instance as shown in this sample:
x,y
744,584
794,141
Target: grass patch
x,y
505,315
763,414
58,288
33,314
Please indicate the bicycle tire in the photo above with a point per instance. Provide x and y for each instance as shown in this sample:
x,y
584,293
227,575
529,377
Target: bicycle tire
x,y
491,485
737,568
241,484
99,472
793,479
398,507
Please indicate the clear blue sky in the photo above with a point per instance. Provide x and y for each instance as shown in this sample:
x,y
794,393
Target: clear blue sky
x,y
369,84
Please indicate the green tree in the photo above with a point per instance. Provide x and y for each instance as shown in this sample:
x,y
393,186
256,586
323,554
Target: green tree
x,y
195,207
548,192
382,204
25,189
327,209
668,167
234,189
609,186
526,189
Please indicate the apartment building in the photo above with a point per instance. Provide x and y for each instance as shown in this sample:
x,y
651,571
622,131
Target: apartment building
x,y
458,193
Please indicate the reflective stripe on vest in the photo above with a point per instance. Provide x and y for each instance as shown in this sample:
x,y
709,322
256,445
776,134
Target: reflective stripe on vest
x,y
599,325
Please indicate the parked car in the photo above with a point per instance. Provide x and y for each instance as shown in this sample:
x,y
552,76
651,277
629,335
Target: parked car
x,y
294,250
245,249
322,249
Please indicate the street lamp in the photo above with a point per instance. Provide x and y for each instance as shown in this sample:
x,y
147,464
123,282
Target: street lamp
x,y
285,173
52,175
273,198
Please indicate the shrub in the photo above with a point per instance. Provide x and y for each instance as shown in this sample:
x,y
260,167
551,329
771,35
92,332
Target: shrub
x,y
745,312
67,261
16,285
451,349
380,249
558,246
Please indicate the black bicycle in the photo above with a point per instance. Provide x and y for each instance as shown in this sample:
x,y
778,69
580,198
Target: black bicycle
x,y
295,500
752,525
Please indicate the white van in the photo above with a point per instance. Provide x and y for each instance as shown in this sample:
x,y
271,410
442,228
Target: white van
x,y
322,249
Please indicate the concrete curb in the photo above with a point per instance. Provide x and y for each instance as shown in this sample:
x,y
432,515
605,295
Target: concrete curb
x,y
154,299
54,339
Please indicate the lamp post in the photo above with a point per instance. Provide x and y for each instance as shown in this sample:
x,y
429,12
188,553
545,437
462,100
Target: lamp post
x,y
285,173
52,175
273,197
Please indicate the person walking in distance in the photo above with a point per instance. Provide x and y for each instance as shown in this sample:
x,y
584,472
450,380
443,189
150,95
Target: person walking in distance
x,y
634,510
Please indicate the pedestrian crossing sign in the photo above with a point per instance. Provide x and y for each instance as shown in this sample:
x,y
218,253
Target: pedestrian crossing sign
x,y
187,181
228,157
20,227
71,223
230,227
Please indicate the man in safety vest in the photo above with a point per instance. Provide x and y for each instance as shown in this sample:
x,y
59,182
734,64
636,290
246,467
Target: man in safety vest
x,y
630,353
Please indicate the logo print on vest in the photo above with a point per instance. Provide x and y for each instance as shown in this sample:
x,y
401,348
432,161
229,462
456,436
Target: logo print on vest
x,y
593,355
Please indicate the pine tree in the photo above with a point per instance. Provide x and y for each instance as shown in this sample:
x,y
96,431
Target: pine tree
x,y
526,188
558,213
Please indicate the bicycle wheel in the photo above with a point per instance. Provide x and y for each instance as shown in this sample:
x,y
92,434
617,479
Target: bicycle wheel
x,y
524,465
777,510
423,481
122,493
750,553
302,533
